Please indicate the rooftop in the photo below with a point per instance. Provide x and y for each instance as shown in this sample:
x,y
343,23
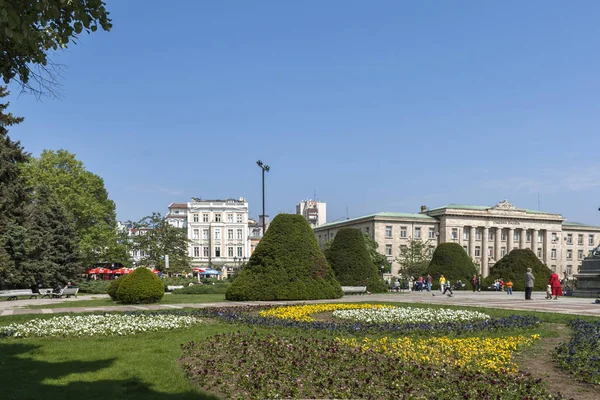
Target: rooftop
x,y
504,205
381,214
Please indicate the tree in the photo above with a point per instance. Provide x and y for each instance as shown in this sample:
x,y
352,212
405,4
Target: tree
x,y
451,260
30,29
513,267
414,257
351,262
377,258
83,193
14,195
155,238
287,264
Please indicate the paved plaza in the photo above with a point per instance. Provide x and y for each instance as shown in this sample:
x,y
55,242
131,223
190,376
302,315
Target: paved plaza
x,y
564,305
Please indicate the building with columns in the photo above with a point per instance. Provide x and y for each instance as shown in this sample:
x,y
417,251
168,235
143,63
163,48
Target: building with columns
x,y
485,233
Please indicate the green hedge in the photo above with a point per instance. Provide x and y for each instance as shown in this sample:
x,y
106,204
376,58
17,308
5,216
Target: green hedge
x,y
141,286
94,287
114,286
451,260
514,265
351,263
287,264
217,288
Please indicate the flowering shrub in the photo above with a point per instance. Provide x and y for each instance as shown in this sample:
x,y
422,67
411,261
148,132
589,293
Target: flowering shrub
x,y
409,315
254,366
485,354
96,325
581,355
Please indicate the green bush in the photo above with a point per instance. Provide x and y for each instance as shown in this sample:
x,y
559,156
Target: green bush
x,y
217,288
514,265
287,264
94,287
141,286
451,260
351,263
114,286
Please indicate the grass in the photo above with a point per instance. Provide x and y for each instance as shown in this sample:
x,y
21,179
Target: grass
x,y
168,299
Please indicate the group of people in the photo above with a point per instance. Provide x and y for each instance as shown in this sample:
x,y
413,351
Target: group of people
x,y
553,290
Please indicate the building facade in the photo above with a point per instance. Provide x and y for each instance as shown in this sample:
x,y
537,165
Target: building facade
x,y
314,211
485,233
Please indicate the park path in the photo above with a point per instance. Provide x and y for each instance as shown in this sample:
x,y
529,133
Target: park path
x,y
565,305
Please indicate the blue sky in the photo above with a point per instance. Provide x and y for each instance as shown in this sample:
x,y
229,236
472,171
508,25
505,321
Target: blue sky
x,y
375,105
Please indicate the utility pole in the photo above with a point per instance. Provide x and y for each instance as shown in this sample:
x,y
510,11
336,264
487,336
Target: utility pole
x,y
264,168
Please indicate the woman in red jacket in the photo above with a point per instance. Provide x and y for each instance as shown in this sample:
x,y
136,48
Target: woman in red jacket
x,y
555,284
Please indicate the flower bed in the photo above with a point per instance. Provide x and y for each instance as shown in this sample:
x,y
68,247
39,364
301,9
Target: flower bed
x,y
97,325
409,315
305,312
581,355
255,366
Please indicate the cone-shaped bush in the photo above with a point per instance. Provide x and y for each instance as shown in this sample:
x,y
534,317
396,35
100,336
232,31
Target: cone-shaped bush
x,y
351,263
287,264
141,286
114,286
451,260
514,265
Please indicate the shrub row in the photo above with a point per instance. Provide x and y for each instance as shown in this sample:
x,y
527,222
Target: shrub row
x,y
217,288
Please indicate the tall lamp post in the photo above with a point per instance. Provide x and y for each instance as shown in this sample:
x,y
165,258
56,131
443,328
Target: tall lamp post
x,y
264,168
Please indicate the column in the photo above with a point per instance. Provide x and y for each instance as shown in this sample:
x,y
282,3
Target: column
x,y
523,239
472,242
534,240
497,244
509,240
546,248
484,252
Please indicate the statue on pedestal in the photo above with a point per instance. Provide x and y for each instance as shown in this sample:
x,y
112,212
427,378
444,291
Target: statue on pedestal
x,y
596,252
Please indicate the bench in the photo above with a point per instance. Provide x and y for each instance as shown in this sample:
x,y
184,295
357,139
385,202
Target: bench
x,y
354,289
170,288
14,294
47,292
67,292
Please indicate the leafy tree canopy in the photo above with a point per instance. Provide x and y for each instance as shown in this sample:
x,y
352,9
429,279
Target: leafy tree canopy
x,y
414,257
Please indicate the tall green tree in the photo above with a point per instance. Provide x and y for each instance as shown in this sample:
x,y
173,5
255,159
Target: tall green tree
x,y
31,29
84,195
14,195
155,238
415,256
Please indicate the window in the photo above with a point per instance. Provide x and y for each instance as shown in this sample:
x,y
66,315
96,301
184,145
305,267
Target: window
x,y
491,235
454,234
218,233
465,234
195,217
569,254
417,233
580,240
540,237
430,251
516,236
477,234
569,270
554,237
477,251
502,251
239,234
388,249
367,229
590,240
205,234
230,251
217,251
553,254
490,252
569,239
579,254
403,232
240,251
539,252
466,249
218,217
528,236
503,236
239,218
229,233
205,251
204,217
230,218
388,232
431,233
196,234
196,251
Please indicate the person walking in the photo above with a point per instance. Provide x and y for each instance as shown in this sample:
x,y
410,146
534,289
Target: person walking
x,y
429,281
555,285
447,288
509,286
442,283
474,283
411,283
529,280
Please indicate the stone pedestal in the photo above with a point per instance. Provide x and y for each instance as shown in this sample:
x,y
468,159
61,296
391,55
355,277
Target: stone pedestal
x,y
588,278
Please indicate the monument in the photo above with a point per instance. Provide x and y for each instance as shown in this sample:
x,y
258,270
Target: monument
x,y
588,278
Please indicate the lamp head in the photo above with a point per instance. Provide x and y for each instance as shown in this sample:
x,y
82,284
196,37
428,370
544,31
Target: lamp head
x,y
259,163
267,168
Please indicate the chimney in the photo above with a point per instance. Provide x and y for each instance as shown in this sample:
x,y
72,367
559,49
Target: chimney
x,y
423,209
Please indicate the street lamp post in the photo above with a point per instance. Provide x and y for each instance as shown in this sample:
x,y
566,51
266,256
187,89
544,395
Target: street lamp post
x,y
264,168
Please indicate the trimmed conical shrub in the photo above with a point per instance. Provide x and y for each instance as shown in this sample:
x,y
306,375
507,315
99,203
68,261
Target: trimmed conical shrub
x,y
451,260
141,286
287,264
351,263
513,266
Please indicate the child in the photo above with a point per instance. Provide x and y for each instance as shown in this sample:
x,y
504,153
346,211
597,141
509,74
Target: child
x,y
549,292
509,286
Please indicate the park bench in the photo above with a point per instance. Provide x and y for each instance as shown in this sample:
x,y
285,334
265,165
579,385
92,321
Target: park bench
x,y
46,292
354,289
14,294
67,292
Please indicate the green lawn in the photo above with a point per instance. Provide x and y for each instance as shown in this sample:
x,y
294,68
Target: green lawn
x,y
168,299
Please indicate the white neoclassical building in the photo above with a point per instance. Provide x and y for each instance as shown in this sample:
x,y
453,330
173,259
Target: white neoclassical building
x,y
486,233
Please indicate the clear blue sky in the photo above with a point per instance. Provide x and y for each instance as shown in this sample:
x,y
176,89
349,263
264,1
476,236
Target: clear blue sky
x,y
375,105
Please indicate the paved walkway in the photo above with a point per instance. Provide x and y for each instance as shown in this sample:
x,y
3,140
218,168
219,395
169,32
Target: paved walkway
x,y
564,305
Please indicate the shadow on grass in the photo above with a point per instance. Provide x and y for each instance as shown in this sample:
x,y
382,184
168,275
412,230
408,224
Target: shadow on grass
x,y
22,377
